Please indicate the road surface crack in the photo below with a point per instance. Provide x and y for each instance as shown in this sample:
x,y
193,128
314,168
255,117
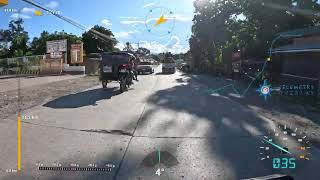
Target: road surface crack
x,y
118,132
137,124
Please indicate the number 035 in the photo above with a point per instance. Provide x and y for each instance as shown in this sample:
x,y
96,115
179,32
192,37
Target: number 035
x,y
283,163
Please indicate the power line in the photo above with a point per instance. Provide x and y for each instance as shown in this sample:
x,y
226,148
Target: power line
x,y
70,21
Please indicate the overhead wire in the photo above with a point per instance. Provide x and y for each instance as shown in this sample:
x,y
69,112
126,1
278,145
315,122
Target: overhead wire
x,y
70,21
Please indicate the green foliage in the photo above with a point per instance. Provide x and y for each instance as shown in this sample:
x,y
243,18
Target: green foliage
x,y
93,44
3,63
14,41
39,45
19,44
116,49
155,57
223,27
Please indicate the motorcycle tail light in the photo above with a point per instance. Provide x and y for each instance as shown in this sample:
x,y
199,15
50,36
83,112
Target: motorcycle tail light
x,y
124,66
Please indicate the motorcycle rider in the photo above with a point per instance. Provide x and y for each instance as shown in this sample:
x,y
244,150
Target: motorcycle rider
x,y
131,69
135,69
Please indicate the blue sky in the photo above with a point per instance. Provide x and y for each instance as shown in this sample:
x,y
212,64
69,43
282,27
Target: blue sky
x,y
125,18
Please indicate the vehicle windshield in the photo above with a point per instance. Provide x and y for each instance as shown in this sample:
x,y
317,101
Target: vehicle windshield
x,y
159,89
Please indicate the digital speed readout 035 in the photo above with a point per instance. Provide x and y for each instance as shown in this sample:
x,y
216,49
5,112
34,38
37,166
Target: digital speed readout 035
x,y
285,148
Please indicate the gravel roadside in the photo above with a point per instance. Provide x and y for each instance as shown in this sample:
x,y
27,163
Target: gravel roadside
x,y
36,95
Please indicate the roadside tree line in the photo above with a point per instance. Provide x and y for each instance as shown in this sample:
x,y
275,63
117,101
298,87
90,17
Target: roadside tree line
x,y
15,41
222,27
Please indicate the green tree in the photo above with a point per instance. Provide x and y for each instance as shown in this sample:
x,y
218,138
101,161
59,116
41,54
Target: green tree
x,y
38,44
94,44
5,37
19,45
222,27
18,38
156,57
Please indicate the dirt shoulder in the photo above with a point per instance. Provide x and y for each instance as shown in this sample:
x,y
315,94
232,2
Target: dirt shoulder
x,y
35,95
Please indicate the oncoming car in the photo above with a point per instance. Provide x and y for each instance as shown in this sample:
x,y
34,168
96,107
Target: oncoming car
x,y
145,67
168,65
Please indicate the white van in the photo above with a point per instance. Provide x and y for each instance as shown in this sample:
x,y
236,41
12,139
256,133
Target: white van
x,y
168,66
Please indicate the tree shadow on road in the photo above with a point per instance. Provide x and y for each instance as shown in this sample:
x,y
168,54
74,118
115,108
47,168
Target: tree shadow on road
x,y
232,131
274,104
208,133
85,98
215,117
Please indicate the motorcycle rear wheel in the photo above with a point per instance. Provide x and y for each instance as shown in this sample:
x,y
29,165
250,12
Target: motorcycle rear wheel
x,y
123,84
104,84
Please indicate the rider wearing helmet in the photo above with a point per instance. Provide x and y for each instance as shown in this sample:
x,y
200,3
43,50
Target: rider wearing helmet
x,y
132,68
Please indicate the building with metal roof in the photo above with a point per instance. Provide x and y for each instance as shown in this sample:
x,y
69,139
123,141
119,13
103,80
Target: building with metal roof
x,y
299,61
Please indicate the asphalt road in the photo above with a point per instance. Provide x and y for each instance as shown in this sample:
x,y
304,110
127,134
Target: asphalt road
x,y
197,135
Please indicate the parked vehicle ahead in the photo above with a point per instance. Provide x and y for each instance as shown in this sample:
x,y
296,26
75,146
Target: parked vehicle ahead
x,y
145,67
168,65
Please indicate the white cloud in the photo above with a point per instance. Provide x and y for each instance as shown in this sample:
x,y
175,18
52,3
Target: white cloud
x,y
25,13
156,47
28,10
172,46
52,4
128,17
136,20
17,15
174,42
183,18
121,34
124,34
149,4
132,22
106,22
120,46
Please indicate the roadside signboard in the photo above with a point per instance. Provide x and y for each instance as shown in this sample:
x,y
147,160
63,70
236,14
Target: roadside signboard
x,y
76,53
57,46
56,54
